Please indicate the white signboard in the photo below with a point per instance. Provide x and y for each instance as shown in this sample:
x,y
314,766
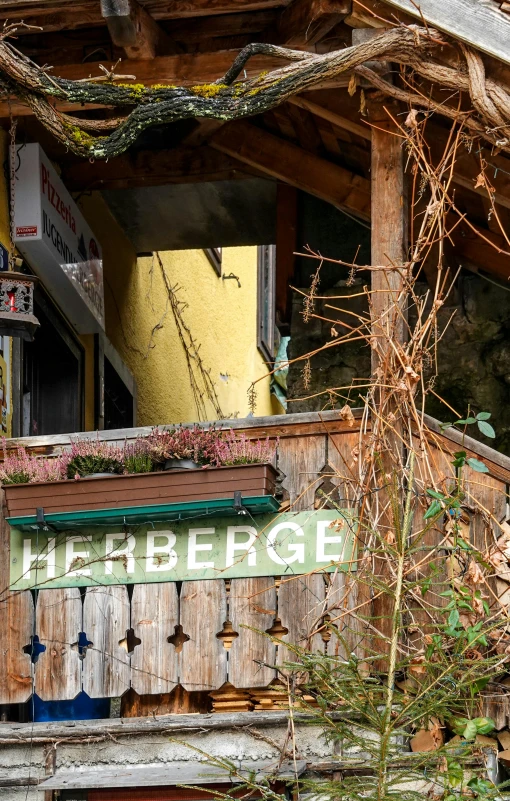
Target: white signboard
x,y
53,236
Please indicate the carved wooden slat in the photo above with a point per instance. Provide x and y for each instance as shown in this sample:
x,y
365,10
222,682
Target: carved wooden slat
x,y
106,667
301,460
154,616
203,611
343,591
16,629
58,623
301,605
253,605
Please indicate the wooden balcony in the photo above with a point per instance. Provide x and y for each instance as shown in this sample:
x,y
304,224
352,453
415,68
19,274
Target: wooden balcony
x,y
194,646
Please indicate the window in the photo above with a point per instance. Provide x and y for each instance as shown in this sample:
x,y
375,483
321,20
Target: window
x,y
266,275
214,255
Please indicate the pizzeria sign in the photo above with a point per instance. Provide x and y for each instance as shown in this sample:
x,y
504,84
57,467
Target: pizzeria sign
x,y
268,545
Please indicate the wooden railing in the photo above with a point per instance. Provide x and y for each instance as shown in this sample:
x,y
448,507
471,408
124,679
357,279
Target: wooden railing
x,y
179,644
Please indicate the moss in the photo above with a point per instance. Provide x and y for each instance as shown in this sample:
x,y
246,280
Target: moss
x,y
208,89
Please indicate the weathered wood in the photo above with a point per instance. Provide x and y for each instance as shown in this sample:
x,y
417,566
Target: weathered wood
x,y
154,616
16,628
388,327
178,702
106,667
343,590
203,611
477,23
132,28
252,606
301,607
301,461
15,733
298,167
58,624
309,21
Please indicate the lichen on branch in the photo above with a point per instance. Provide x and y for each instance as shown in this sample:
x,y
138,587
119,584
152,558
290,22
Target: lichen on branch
x,y
232,97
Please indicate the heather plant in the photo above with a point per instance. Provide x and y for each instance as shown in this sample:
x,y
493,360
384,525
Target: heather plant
x,y
89,456
23,468
195,443
233,449
137,456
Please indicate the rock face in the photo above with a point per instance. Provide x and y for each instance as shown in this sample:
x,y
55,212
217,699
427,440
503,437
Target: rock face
x,y
473,354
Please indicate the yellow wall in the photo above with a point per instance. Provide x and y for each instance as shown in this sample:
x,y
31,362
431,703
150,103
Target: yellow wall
x,y
220,316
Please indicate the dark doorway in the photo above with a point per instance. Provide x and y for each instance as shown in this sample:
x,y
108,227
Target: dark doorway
x,y
52,376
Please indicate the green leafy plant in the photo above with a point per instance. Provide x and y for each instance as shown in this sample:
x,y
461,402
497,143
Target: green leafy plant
x,y
137,457
480,420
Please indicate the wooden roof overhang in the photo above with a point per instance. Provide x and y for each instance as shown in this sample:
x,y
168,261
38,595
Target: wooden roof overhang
x,y
318,141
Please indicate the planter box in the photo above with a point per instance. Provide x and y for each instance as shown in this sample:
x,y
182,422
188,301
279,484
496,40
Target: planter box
x,y
144,489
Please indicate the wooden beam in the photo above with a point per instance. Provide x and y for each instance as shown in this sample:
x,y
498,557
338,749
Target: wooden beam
x,y
132,28
293,165
479,24
467,166
484,249
309,21
158,9
154,168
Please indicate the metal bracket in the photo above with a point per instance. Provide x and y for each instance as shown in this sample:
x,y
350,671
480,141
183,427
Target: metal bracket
x,y
238,503
41,520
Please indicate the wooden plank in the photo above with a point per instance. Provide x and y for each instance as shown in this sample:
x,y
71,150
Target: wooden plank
x,y
45,732
58,624
343,590
436,471
106,667
16,628
306,22
154,617
203,612
477,23
290,163
301,606
301,461
252,604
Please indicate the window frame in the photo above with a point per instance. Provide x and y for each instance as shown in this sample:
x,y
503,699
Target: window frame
x,y
266,306
215,256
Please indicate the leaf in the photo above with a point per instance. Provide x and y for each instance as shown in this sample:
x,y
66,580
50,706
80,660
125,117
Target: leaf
x,y
434,509
442,426
484,725
453,618
486,429
483,415
470,731
435,494
467,421
476,464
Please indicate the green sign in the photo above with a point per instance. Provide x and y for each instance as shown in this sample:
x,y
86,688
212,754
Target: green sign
x,y
230,547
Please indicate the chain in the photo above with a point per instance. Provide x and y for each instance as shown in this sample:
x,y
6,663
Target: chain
x,y
12,196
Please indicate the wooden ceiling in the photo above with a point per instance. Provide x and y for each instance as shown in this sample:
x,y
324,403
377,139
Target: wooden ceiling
x,y
319,142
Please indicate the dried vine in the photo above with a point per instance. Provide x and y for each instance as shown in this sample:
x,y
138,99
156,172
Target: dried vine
x,y
414,48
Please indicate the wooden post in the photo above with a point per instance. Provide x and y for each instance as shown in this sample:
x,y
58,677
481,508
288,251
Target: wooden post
x,y
388,325
388,231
